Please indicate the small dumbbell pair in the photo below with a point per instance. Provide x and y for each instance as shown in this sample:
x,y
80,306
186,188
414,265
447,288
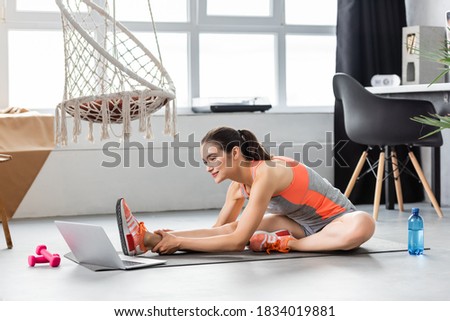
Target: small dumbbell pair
x,y
44,257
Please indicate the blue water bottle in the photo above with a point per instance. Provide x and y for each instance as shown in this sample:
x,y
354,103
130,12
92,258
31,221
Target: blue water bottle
x,y
415,233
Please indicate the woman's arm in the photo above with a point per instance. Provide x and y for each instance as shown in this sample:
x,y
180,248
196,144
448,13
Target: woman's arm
x,y
262,190
234,202
229,213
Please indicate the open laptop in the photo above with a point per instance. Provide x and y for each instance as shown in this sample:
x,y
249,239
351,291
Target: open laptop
x,y
92,248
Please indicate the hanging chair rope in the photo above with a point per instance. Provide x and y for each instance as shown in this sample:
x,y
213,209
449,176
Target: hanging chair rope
x,y
110,76
154,31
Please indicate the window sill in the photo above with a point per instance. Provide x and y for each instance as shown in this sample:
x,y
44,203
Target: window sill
x,y
279,110
186,111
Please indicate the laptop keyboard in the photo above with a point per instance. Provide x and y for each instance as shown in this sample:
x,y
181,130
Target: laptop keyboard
x,y
131,263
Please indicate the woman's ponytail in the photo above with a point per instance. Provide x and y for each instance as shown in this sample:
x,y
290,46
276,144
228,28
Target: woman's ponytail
x,y
227,138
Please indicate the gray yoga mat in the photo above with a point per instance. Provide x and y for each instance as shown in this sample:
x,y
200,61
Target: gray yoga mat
x,y
372,246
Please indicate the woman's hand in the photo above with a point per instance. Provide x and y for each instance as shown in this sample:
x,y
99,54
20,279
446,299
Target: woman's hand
x,y
169,244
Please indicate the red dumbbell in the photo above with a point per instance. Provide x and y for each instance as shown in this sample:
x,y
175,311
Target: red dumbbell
x,y
53,259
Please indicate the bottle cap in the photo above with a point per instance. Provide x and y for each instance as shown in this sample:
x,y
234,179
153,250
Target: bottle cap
x,y
415,210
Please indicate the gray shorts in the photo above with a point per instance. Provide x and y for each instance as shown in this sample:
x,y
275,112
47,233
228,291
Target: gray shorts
x,y
310,229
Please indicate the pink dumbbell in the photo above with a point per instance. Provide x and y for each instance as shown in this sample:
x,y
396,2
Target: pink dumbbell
x,y
53,259
32,260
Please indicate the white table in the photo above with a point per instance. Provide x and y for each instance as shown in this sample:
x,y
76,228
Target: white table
x,y
438,94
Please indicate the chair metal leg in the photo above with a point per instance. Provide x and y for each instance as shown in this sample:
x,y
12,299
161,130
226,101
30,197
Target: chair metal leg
x,y
425,184
397,182
6,227
379,185
436,173
355,174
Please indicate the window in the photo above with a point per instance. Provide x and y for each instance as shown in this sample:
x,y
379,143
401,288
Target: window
x,y
237,65
162,10
280,49
33,5
239,8
34,82
310,65
303,12
173,47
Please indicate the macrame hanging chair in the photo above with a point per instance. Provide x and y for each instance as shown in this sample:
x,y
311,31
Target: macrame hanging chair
x,y
110,76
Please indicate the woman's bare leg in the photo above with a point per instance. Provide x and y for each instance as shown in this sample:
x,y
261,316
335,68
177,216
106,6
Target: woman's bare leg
x,y
151,239
344,233
274,222
213,231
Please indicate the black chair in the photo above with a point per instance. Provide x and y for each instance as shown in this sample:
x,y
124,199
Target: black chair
x,y
379,122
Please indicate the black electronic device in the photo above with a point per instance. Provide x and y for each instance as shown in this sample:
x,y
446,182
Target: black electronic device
x,y
230,105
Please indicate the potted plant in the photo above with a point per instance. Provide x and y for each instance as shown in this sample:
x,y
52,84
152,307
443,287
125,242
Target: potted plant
x,y
441,122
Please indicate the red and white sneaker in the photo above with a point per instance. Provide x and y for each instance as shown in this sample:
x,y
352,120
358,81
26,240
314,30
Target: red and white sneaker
x,y
131,231
275,241
281,233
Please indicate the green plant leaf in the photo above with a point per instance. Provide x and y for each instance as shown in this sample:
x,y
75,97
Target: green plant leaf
x,y
435,120
442,55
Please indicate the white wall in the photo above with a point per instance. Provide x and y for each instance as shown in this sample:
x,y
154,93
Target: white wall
x,y
74,182
426,13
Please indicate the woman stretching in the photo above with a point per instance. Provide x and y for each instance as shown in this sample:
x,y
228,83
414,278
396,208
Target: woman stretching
x,y
290,207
